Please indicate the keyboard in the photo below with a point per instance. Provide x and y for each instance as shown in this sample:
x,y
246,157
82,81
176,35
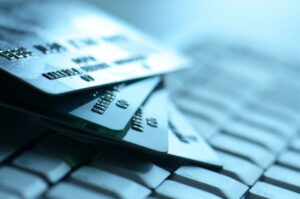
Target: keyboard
x,y
244,103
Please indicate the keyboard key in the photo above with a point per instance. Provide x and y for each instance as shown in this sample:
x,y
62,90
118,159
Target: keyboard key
x,y
290,159
227,86
71,191
285,102
173,189
205,128
244,149
264,190
283,177
51,168
281,125
23,184
193,107
283,96
213,182
133,167
272,124
206,100
6,195
271,109
240,169
227,90
254,134
246,76
229,80
208,94
295,144
71,151
106,182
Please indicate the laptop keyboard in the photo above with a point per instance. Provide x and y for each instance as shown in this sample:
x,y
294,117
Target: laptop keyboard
x,y
249,114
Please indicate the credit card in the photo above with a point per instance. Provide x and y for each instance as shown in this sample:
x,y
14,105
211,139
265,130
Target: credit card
x,y
58,50
149,125
112,108
157,128
146,128
146,131
185,142
107,109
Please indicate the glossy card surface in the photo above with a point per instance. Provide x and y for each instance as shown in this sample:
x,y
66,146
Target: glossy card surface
x,y
186,142
112,108
108,108
67,46
147,129
149,125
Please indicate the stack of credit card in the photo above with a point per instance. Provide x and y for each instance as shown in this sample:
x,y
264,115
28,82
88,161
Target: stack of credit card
x,y
88,74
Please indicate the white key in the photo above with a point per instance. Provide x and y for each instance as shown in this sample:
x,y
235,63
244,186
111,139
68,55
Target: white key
x,y
267,107
275,122
250,151
283,177
198,109
230,83
240,169
51,168
217,86
173,189
213,182
295,145
264,190
113,184
214,96
6,195
205,128
290,159
254,134
273,125
133,167
206,100
65,190
23,184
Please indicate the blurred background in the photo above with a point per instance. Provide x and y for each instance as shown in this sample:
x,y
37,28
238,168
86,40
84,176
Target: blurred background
x,y
270,25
